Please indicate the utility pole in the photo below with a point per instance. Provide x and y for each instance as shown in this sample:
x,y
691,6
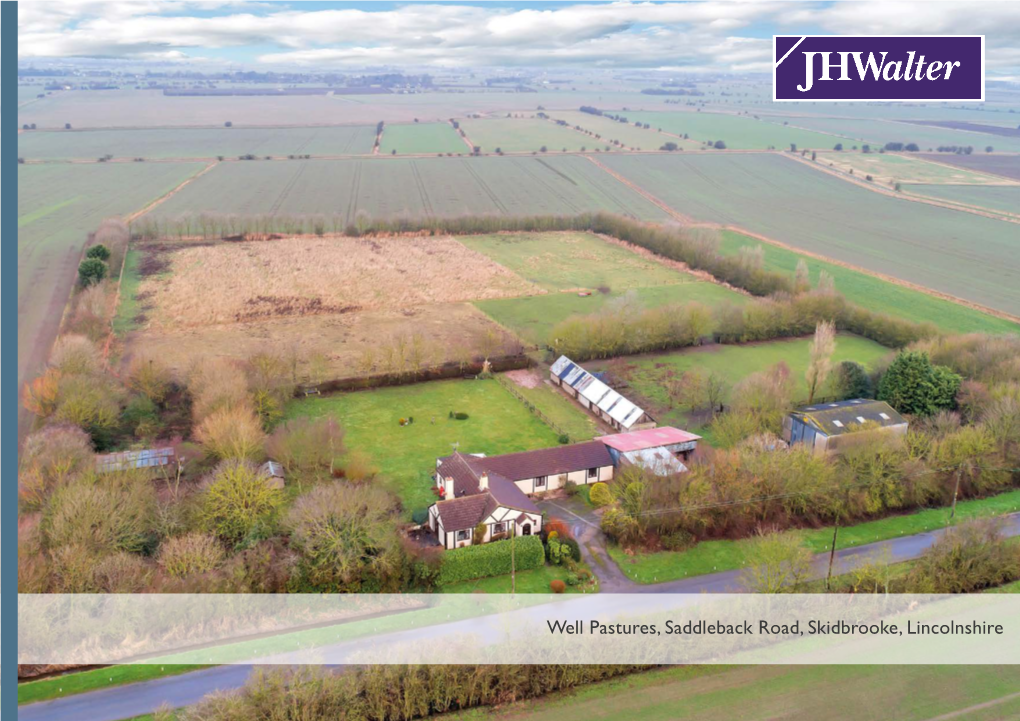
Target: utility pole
x,y
513,559
832,553
956,490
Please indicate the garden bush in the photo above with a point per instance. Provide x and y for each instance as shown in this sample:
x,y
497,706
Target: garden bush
x,y
100,251
232,433
557,586
192,553
238,499
492,559
100,514
91,271
600,495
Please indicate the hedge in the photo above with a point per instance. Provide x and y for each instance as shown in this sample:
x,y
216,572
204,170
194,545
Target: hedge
x,y
491,559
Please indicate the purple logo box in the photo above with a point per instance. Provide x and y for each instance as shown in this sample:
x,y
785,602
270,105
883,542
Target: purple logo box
x,y
908,68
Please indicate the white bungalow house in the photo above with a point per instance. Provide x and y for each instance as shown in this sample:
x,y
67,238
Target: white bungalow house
x,y
495,490
597,398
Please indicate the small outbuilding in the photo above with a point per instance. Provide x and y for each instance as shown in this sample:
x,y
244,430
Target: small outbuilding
x,y
659,450
131,460
831,427
273,473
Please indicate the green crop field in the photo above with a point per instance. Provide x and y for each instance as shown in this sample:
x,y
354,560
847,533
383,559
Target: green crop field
x,y
732,363
393,188
411,138
534,317
892,168
406,455
792,203
58,205
522,135
739,132
631,136
880,132
1005,198
877,294
563,261
792,693
196,142
1005,166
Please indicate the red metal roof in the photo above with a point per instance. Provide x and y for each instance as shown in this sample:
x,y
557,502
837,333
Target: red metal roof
x,y
650,438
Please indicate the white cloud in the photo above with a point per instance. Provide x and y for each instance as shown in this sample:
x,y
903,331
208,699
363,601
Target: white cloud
x,y
704,35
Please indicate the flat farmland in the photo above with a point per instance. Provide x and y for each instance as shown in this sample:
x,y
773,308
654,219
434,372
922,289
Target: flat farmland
x,y
880,132
1007,166
412,138
534,317
523,135
732,363
1005,198
627,133
874,293
393,188
406,455
567,261
739,132
196,142
792,203
211,283
890,168
58,205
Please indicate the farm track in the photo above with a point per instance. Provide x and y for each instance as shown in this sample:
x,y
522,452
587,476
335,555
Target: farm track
x,y
644,193
962,207
464,137
167,196
355,191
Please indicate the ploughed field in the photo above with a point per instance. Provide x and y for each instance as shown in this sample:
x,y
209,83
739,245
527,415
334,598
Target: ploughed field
x,y
344,191
58,206
156,143
788,201
1007,166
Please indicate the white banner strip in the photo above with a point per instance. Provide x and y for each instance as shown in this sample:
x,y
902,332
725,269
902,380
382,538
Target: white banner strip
x,y
523,629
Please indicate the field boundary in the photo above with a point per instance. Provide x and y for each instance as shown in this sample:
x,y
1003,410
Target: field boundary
x,y
169,194
530,406
644,193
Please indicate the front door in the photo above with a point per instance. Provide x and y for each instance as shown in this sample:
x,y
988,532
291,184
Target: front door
x,y
526,529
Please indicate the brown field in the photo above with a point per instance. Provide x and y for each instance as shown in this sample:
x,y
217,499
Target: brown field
x,y
332,346
198,283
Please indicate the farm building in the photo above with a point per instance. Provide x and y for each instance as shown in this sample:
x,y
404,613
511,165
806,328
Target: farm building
x,y
494,490
273,473
830,427
598,398
659,450
131,460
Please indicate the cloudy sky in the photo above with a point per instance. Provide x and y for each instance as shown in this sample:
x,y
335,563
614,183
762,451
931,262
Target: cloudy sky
x,y
720,36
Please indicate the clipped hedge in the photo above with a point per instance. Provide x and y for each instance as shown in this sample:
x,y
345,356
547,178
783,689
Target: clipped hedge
x,y
491,559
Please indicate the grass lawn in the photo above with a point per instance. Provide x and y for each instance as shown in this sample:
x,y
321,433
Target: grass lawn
x,y
83,681
406,455
877,294
733,363
795,693
128,308
565,413
534,581
534,317
712,556
564,261
414,138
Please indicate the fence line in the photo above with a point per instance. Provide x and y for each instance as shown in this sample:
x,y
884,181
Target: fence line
x,y
531,406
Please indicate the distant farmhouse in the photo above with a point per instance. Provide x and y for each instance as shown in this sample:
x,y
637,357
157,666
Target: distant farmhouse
x,y
831,427
599,399
661,451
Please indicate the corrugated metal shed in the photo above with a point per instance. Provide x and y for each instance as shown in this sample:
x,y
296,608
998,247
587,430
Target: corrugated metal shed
x,y
656,460
128,460
597,393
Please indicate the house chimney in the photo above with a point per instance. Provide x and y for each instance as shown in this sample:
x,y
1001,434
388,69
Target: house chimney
x,y
448,487
483,482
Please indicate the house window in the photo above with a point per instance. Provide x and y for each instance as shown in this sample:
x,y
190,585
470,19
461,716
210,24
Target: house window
x,y
541,481
462,536
498,528
593,473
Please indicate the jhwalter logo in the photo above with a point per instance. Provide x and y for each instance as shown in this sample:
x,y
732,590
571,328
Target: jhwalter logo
x,y
910,68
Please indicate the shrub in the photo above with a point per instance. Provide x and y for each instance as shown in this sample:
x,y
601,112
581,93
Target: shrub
x,y
304,444
678,540
122,572
346,536
232,433
492,559
600,495
852,381
103,514
460,416
557,586
238,499
215,384
358,466
968,558
620,526
57,453
75,355
72,568
39,396
150,377
564,439
100,252
91,404
91,271
912,384
574,549
194,553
